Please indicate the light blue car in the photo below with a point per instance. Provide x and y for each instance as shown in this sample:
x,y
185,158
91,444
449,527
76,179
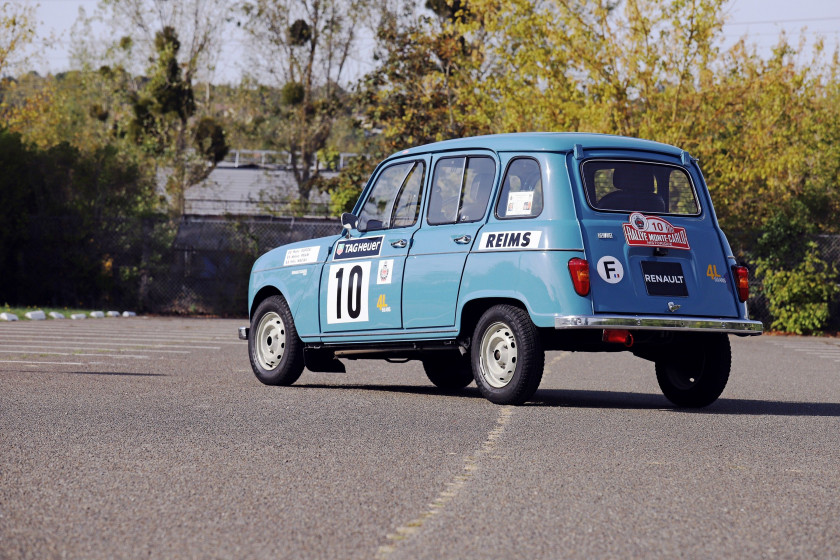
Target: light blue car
x,y
477,255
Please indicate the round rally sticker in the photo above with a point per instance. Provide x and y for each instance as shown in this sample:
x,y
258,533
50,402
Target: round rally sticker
x,y
610,269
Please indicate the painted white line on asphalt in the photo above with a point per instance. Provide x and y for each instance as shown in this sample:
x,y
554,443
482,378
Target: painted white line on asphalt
x,y
110,335
81,343
44,353
54,347
29,362
132,356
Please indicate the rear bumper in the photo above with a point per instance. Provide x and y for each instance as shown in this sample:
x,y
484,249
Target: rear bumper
x,y
659,323
243,333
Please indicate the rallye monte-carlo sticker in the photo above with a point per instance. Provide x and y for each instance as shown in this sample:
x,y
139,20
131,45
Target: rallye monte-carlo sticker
x,y
653,231
506,240
364,247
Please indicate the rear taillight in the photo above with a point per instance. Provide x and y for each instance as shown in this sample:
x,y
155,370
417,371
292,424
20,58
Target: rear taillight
x,y
741,274
579,269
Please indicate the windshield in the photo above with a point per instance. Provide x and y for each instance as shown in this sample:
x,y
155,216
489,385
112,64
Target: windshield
x,y
632,186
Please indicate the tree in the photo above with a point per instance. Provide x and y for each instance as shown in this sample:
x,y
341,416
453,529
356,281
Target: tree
x,y
305,45
164,124
200,25
17,30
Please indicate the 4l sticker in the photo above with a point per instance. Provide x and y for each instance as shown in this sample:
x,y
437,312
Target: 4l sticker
x,y
610,270
653,231
712,272
364,247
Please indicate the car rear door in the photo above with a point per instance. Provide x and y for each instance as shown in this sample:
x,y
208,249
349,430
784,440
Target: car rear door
x,y
456,210
651,239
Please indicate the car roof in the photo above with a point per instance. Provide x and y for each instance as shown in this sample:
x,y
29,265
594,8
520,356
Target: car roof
x,y
541,142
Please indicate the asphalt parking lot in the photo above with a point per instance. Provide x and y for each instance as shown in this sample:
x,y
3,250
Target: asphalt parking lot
x,y
150,437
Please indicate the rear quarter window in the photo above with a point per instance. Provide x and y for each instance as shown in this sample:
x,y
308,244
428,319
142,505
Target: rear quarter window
x,y
632,186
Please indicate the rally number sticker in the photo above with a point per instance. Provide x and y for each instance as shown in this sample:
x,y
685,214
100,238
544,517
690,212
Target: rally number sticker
x,y
347,292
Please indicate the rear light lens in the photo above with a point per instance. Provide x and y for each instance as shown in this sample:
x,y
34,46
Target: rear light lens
x,y
579,269
741,274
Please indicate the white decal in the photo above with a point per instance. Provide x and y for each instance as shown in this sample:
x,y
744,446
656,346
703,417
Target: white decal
x,y
610,269
301,255
519,203
299,271
347,292
505,240
386,267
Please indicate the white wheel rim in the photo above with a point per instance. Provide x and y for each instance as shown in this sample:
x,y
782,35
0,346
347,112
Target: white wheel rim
x,y
498,353
270,342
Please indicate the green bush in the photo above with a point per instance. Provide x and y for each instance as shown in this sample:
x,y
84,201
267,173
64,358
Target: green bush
x,y
800,298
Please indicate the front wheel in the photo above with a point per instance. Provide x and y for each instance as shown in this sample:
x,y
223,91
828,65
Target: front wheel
x,y
695,370
507,355
275,350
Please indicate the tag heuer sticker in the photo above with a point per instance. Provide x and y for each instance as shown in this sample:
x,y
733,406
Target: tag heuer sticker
x,y
386,266
365,247
653,231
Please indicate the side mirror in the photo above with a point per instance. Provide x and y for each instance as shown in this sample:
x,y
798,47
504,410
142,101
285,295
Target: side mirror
x,y
349,221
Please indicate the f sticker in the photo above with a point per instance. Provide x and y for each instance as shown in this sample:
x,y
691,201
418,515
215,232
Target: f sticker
x,y
610,270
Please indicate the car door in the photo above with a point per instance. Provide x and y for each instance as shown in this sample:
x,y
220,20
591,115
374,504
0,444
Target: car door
x,y
652,246
361,282
456,210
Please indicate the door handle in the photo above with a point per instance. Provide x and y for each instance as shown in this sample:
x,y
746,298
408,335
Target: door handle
x,y
399,243
463,240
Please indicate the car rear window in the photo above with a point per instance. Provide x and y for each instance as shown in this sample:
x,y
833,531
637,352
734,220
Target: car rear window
x,y
633,186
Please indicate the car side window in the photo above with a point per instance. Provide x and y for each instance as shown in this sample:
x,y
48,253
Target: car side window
x,y
461,189
522,192
407,206
381,206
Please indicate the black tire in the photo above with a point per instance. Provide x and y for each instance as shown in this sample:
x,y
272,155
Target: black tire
x,y
449,371
507,355
695,370
275,350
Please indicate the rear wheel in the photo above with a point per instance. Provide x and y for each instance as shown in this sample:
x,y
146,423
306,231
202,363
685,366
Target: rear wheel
x,y
695,370
448,370
275,350
507,355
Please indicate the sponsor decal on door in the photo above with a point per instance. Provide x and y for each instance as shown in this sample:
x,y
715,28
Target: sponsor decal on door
x,y
508,240
348,290
364,247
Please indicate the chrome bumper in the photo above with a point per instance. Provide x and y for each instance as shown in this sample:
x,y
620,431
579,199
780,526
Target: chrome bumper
x,y
658,323
243,333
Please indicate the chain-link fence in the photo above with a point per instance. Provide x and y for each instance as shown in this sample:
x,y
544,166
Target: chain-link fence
x,y
199,264
828,248
211,259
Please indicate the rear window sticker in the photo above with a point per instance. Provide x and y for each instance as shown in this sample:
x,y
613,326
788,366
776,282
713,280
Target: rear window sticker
x,y
364,247
520,203
610,270
301,255
505,240
386,267
653,231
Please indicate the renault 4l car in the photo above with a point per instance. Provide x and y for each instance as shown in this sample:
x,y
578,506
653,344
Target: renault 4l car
x,y
477,255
